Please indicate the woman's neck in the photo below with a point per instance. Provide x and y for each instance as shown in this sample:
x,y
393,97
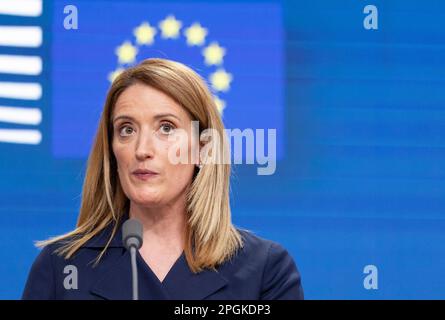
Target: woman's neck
x,y
162,226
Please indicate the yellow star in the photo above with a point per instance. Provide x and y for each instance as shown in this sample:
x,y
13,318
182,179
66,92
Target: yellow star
x,y
214,54
144,34
220,104
220,80
170,27
114,74
126,52
195,35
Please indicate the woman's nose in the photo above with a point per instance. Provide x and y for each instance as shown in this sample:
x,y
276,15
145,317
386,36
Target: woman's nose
x,y
145,146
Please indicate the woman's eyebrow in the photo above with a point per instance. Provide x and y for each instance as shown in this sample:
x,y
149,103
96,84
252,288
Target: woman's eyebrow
x,y
123,117
162,115
158,116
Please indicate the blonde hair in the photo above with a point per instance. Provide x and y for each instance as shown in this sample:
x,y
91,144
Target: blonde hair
x,y
211,238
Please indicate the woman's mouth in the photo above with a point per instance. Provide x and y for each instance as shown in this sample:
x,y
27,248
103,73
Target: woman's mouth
x,y
145,176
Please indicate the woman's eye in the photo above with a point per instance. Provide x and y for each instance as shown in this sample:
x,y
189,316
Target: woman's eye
x,y
167,128
126,130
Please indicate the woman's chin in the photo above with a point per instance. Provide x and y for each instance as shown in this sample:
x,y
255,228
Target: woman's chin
x,y
147,201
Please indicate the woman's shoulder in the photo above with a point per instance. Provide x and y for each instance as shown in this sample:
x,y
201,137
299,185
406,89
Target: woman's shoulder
x,y
48,253
100,239
48,259
55,254
47,274
280,276
262,251
40,283
255,243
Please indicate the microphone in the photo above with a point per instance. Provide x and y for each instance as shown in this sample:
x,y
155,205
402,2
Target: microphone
x,y
132,239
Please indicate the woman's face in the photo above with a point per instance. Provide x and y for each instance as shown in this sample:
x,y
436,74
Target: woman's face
x,y
141,140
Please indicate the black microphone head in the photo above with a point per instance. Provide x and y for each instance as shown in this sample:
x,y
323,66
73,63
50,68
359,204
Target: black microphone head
x,y
132,234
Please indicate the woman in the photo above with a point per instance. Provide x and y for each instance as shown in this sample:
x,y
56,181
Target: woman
x,y
190,248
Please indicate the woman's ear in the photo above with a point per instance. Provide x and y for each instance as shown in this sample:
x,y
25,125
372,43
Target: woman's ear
x,y
200,162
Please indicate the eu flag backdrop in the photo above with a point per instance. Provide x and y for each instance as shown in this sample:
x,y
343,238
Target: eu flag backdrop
x,y
236,47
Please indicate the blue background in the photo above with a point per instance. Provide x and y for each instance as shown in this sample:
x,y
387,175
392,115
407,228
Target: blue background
x,y
361,179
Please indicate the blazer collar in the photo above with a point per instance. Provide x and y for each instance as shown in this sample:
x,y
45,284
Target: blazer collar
x,y
101,239
180,282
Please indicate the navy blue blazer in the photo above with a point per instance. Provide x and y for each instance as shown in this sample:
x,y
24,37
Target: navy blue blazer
x,y
261,270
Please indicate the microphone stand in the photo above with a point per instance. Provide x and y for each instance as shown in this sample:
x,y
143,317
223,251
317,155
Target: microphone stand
x,y
134,272
132,239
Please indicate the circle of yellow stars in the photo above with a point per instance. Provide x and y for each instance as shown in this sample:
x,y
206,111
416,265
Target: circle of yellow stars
x,y
170,28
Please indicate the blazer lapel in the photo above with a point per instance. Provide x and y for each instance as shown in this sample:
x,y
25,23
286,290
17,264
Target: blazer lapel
x,y
116,283
182,284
